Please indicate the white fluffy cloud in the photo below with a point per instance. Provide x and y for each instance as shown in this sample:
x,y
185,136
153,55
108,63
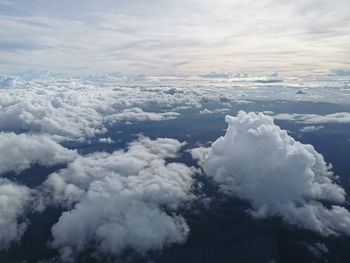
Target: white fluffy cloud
x,y
124,200
43,112
261,163
20,151
13,201
76,110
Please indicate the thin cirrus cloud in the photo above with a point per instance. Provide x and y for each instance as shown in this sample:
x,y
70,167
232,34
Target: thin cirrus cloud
x,y
175,37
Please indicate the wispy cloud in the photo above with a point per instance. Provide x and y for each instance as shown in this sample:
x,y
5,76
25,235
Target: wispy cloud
x,y
157,37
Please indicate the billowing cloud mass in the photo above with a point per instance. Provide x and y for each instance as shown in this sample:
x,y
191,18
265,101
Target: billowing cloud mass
x,y
20,151
13,201
132,200
76,110
259,162
124,200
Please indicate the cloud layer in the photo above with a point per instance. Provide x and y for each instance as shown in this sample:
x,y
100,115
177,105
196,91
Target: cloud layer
x,y
166,37
259,162
124,200
76,110
132,200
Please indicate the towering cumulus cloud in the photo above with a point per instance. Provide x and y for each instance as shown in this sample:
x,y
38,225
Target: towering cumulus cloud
x,y
13,200
259,162
124,200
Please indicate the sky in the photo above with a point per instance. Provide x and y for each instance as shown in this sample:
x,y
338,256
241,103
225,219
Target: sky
x,y
174,37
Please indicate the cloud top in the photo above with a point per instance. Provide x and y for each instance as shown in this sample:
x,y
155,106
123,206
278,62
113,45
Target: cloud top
x,y
124,200
259,162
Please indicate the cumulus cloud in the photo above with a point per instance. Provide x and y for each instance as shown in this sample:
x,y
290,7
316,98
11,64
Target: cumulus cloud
x,y
13,201
76,110
124,200
259,162
19,151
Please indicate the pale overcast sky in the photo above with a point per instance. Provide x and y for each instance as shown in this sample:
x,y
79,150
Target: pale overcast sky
x,y
174,36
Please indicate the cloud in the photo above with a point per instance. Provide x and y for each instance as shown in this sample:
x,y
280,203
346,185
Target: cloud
x,y
259,162
19,151
124,200
206,111
339,117
170,37
76,109
137,114
13,201
311,128
107,140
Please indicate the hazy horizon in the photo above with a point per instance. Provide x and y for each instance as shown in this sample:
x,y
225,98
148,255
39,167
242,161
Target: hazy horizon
x,y
175,37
